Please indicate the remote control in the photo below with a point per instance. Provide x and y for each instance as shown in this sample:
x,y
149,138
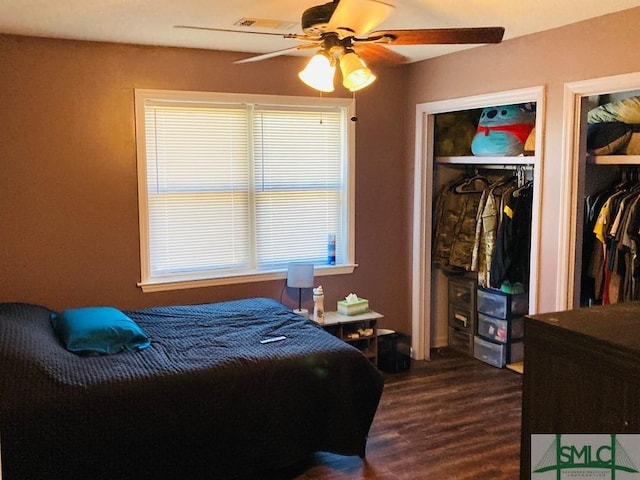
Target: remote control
x,y
273,339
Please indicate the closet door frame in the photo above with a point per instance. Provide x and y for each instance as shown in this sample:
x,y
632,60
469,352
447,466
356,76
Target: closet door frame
x,y
422,321
574,160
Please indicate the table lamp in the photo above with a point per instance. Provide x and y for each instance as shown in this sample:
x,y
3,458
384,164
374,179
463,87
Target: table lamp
x,y
300,275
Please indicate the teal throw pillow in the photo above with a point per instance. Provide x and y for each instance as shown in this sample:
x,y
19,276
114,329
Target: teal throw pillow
x,y
98,331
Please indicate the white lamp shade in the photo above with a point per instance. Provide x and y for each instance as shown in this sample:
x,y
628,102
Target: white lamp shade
x,y
300,275
355,73
319,73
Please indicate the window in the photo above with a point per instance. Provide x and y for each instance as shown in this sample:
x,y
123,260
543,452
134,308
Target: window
x,y
233,188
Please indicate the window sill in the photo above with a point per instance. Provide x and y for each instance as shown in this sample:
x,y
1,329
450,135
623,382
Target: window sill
x,y
186,283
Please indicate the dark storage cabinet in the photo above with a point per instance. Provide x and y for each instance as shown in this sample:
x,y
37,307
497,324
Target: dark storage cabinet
x,y
581,373
462,313
461,341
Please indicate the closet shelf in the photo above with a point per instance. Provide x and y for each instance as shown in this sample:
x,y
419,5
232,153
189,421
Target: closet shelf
x,y
472,160
614,159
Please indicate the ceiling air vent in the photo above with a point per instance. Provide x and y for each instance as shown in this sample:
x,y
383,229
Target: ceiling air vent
x,y
265,23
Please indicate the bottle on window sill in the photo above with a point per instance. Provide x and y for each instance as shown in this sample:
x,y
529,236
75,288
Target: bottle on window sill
x,y
331,249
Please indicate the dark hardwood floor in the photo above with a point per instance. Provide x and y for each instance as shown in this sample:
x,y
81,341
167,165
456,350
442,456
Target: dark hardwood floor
x,y
452,417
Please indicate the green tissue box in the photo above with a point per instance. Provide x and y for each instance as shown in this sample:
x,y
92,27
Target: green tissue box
x,y
353,308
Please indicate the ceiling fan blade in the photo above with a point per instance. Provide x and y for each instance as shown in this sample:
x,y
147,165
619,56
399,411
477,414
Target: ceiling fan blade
x,y
277,53
358,17
376,54
212,29
440,36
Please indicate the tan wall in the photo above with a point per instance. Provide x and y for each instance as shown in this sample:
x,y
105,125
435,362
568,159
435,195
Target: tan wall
x,y
68,188
596,48
68,196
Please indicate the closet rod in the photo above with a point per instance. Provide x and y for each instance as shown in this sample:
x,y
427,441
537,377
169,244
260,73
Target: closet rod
x,y
491,166
503,167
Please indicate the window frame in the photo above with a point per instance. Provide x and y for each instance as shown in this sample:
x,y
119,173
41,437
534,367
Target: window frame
x,y
184,281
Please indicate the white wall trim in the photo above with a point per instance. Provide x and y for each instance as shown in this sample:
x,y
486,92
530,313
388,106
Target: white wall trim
x,y
423,201
573,93
422,207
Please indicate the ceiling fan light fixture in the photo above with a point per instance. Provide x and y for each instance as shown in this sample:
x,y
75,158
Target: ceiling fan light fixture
x,y
355,73
319,72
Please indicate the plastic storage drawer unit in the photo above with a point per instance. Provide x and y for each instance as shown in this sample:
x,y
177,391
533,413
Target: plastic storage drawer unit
x,y
461,318
502,305
500,330
461,341
497,354
462,291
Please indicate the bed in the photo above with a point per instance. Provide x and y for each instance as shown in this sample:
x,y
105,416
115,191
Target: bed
x,y
206,399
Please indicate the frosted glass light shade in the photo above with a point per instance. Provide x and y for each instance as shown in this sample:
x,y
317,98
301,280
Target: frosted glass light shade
x,y
355,73
319,73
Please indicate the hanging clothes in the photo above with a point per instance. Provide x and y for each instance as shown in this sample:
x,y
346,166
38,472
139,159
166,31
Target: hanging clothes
x,y
473,190
611,244
455,221
445,218
592,248
627,236
617,262
511,258
471,228
487,223
484,227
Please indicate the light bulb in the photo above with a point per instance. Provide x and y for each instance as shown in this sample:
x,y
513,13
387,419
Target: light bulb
x,y
319,73
355,73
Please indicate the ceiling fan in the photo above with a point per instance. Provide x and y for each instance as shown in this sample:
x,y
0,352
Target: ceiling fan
x,y
342,33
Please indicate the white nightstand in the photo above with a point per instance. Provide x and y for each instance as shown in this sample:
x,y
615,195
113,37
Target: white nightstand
x,y
359,330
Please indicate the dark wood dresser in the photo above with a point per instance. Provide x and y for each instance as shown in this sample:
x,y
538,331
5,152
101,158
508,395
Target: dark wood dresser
x,y
581,373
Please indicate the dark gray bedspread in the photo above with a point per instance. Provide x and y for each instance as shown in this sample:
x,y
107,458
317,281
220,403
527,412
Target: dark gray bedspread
x,y
206,400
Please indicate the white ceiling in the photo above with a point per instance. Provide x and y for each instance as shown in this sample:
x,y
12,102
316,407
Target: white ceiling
x,y
151,22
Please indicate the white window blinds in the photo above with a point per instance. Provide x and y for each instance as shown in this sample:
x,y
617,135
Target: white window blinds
x,y
298,184
197,187
239,188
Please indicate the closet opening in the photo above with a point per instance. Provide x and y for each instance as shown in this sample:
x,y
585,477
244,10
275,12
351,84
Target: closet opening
x,y
444,173
601,132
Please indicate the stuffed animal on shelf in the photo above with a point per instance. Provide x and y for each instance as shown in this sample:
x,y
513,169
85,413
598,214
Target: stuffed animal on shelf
x,y
503,130
614,127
